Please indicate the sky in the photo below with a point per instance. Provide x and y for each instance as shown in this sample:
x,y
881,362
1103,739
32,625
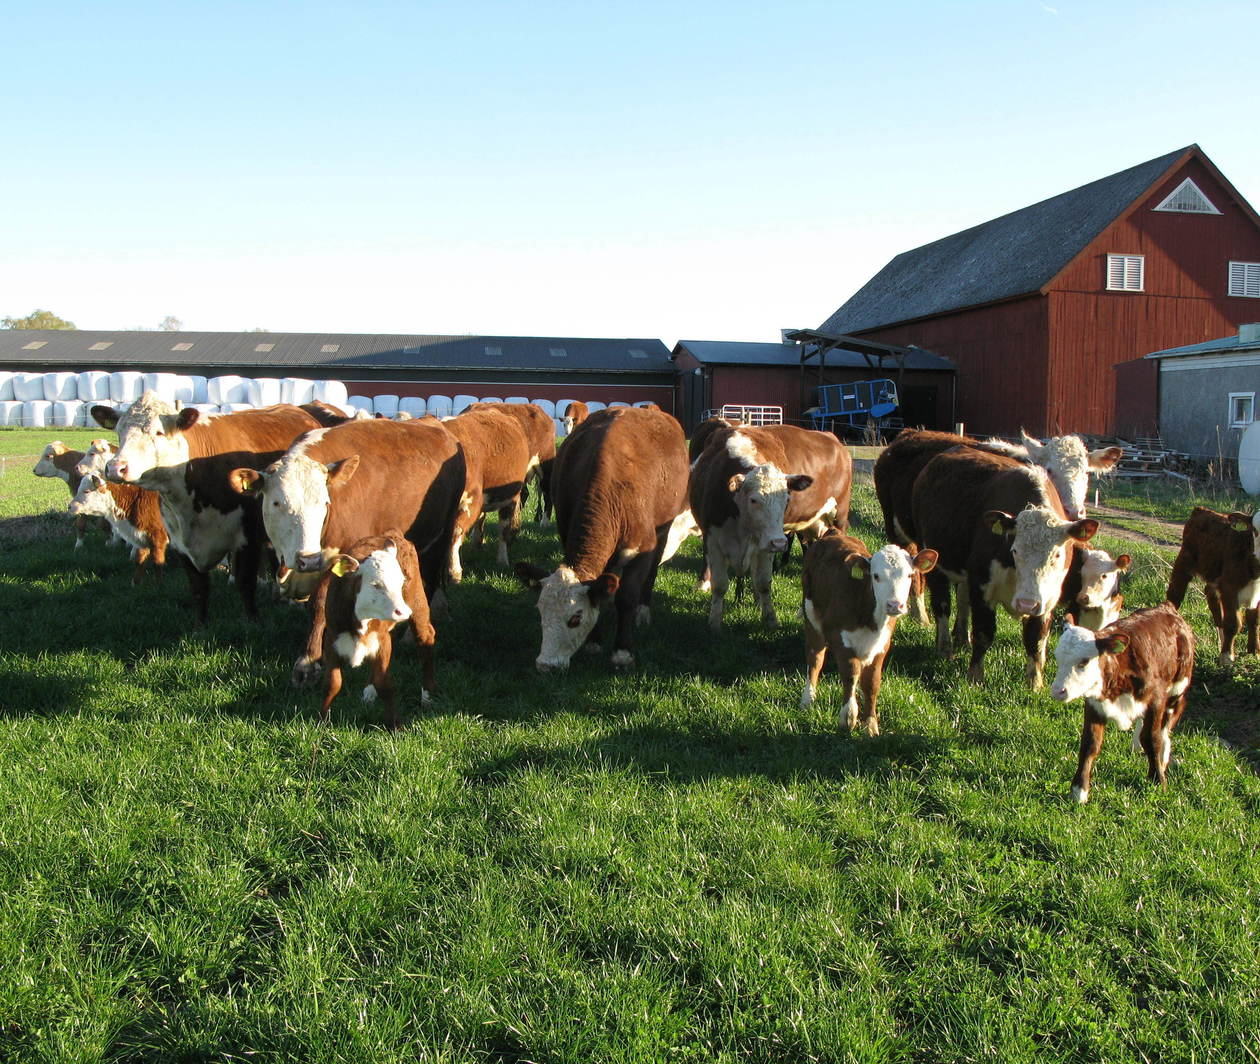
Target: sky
x,y
667,170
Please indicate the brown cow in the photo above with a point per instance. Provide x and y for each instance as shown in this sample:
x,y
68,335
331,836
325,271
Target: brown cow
x,y
1140,667
620,481
61,463
373,585
133,513
540,433
700,438
186,457
852,601
575,413
1091,593
1222,550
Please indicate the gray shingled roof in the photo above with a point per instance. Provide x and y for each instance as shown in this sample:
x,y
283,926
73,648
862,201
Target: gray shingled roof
x,y
327,353
738,353
1009,256
1226,345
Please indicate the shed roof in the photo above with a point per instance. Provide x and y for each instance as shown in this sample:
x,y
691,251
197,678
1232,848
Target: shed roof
x,y
739,353
1226,345
1013,255
327,353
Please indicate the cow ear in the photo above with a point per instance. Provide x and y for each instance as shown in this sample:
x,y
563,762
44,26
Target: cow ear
x,y
105,416
1112,644
1036,449
999,522
1105,458
925,561
340,472
799,482
343,565
1123,562
603,587
733,484
857,572
530,575
1240,522
187,418
245,481
1083,531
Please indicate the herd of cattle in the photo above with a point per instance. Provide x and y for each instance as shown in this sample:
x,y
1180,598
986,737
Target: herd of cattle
x,y
365,521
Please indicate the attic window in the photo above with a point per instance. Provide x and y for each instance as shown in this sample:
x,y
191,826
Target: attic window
x,y
411,350
264,348
1244,279
1124,273
34,345
329,349
636,352
492,350
559,352
1187,198
182,347
102,345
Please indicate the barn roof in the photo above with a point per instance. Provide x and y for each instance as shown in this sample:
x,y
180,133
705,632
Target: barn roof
x,y
739,353
1009,256
1246,339
329,352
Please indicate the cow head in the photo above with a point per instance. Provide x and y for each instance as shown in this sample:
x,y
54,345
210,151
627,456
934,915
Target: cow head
x,y
761,497
1078,654
569,608
45,467
151,439
95,458
295,493
892,572
1039,544
93,498
1100,578
379,596
1239,522
1069,465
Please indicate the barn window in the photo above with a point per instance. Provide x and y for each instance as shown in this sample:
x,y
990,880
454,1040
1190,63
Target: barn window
x,y
636,352
1242,409
329,349
1124,273
1244,279
182,347
1187,198
491,349
102,345
559,352
264,348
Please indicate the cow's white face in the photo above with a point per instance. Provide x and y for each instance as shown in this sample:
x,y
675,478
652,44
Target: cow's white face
x,y
1069,464
1040,551
45,466
95,458
295,501
1080,669
569,609
761,498
381,581
93,498
891,572
150,441
1238,521
1100,577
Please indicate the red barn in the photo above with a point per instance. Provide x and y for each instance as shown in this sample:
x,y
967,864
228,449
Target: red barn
x,y
1038,307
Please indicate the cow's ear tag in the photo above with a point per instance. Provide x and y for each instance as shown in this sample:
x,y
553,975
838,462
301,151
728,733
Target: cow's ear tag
x,y
1117,644
855,571
1240,526
344,566
998,528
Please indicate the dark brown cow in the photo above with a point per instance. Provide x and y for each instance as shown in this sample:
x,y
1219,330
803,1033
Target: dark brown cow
x,y
540,433
1138,668
187,457
750,487
133,513
1222,550
852,601
999,528
497,457
372,586
620,481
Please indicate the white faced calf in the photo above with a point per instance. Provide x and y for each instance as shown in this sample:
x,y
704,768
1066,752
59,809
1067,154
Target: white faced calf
x,y
1097,601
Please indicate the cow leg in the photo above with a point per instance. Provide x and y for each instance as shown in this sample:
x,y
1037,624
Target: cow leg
x,y
850,667
918,597
1213,596
80,529
643,617
762,577
983,631
382,682
872,677
142,558
1251,619
815,658
455,571
1092,732
1229,625
626,602
509,526
1036,632
544,492
1182,574
720,579
307,666
1156,743
478,531
962,622
331,690
938,585
199,585
246,567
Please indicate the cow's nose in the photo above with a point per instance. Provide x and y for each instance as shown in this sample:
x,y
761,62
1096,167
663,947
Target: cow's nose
x,y
896,609
116,470
1059,694
309,563
1027,605
401,613
779,544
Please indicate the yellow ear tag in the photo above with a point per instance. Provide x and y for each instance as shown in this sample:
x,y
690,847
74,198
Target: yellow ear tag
x,y
1240,526
998,528
343,567
855,571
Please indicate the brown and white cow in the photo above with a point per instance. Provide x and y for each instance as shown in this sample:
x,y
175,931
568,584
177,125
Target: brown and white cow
x,y
575,413
335,486
133,513
1137,668
96,457
540,434
186,457
999,529
61,463
852,601
325,413
1222,550
373,585
700,437
498,459
1091,593
620,481
752,486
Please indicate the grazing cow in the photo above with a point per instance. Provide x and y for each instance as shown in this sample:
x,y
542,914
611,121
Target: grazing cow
x,y
540,434
133,513
999,528
620,481
373,585
497,457
1091,593
335,486
750,487
1222,550
1137,667
852,600
574,415
186,457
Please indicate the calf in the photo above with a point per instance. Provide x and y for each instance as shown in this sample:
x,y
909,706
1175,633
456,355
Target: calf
x,y
852,603
133,513
999,529
96,457
372,586
1222,550
1091,593
574,415
1139,667
61,463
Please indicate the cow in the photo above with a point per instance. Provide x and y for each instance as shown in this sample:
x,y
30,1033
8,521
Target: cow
x,y
133,513
1091,593
61,463
752,486
325,413
999,528
497,458
186,457
1138,667
700,438
852,600
373,585
96,457
574,415
540,434
1222,550
335,486
620,481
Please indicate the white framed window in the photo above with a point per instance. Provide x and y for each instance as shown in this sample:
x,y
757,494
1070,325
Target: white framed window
x,y
1125,273
1244,279
1242,409
1187,198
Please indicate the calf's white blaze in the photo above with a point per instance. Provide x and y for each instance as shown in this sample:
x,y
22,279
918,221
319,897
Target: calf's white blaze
x,y
1041,560
567,614
295,503
1079,672
761,497
380,596
151,447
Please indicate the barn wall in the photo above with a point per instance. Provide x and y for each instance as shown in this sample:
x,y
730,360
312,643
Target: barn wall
x,y
1136,410
757,386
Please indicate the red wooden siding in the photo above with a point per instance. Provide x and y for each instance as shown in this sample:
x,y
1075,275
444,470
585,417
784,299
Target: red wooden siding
x,y
1137,399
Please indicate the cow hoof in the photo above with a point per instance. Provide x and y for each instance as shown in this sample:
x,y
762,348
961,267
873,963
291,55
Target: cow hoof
x,y
425,697
975,675
643,616
807,698
1226,661
369,694
592,648
1080,796
622,659
305,672
872,727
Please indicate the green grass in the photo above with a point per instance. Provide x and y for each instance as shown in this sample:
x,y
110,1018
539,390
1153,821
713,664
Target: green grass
x,y
20,492
675,864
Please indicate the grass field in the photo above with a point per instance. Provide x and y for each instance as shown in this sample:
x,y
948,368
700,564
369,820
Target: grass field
x,y
676,864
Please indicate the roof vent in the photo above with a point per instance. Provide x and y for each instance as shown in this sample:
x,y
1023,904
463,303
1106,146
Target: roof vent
x,y
264,348
34,345
101,345
411,350
559,352
637,352
1249,333
182,347
492,350
329,349
1187,198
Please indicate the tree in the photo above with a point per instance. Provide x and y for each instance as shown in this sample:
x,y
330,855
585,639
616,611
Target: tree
x,y
170,324
37,319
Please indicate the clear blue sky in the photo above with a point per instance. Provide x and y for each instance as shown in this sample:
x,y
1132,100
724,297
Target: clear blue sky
x,y
700,170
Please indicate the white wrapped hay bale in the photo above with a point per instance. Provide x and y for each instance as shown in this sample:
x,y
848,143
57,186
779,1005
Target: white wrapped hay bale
x,y
559,426
36,413
10,413
206,408
562,406
185,390
66,413
61,386
355,403
28,387
462,403
93,386
332,392
439,405
297,390
617,403
413,405
490,399
163,385
234,408
385,405
516,400
201,390
125,386
6,386
265,391
546,406
592,407
227,390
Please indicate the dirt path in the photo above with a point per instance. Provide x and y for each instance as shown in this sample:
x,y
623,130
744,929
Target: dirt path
x,y
1159,532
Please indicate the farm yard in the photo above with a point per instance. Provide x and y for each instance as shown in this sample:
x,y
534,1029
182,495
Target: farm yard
x,y
674,863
